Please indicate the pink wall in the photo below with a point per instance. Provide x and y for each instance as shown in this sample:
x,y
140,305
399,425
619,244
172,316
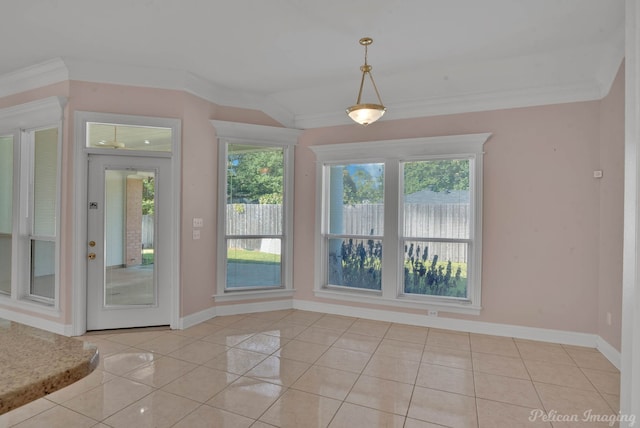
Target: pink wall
x,y
199,191
199,197
611,212
552,233
541,209
199,166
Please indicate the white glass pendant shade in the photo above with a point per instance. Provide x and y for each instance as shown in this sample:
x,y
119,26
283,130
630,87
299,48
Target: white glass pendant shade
x,y
365,114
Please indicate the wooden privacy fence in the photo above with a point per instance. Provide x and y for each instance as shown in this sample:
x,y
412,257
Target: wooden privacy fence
x,y
450,221
147,231
255,219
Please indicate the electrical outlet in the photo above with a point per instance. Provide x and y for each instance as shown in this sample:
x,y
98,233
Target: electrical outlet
x,y
196,234
432,313
198,222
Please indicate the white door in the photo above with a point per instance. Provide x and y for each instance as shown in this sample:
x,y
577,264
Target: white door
x,y
128,222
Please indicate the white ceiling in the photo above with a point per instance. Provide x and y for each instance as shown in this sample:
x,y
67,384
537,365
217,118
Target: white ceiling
x,y
299,60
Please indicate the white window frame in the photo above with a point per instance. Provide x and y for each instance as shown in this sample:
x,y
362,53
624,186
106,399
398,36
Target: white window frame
x,y
267,136
392,153
22,121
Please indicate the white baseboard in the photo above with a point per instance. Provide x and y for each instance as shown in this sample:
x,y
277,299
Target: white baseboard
x,y
611,353
249,308
240,308
37,322
197,318
494,329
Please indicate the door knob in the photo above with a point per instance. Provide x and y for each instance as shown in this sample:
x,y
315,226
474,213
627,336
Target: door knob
x,y
92,256
92,243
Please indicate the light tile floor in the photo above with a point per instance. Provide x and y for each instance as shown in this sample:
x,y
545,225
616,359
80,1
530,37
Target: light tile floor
x,y
304,369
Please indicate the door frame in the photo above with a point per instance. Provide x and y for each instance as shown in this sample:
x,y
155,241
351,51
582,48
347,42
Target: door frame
x,y
81,158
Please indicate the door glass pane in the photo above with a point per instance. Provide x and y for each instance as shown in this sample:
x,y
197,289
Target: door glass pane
x,y
127,137
129,253
254,262
6,208
437,199
43,268
45,182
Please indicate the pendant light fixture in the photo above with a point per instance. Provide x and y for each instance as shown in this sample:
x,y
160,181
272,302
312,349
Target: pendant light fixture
x,y
364,113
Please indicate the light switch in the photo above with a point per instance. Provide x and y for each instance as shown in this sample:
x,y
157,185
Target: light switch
x,y
198,222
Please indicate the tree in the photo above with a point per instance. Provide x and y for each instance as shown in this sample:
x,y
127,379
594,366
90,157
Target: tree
x,y
436,175
148,196
255,176
362,187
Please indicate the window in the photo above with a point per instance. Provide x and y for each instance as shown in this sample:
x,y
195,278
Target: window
x,y
29,202
355,225
436,227
402,226
44,207
128,137
6,212
255,191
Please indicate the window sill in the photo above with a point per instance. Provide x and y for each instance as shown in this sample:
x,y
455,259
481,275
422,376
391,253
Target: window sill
x,y
458,308
234,296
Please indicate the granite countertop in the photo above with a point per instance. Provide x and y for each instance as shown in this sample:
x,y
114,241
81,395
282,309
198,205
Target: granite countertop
x,y
34,363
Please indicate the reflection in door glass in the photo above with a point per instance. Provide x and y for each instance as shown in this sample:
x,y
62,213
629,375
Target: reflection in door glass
x,y
129,238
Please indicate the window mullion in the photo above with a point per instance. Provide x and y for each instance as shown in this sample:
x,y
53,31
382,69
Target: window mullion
x,y
390,241
25,218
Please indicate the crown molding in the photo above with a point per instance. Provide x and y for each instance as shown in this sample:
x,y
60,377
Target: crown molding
x,y
467,103
591,87
176,80
32,114
118,74
249,133
225,96
613,56
32,77
59,70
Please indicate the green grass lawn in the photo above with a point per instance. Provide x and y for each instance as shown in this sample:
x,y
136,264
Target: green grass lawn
x,y
238,255
148,256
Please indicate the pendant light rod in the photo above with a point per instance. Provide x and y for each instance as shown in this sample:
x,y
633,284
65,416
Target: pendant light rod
x,y
365,114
